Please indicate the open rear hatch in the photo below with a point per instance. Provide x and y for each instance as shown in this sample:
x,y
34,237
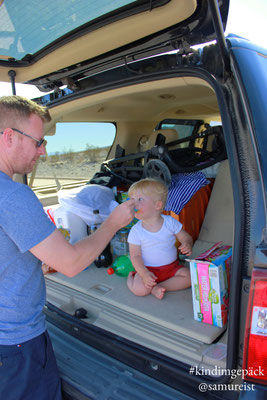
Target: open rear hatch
x,y
65,43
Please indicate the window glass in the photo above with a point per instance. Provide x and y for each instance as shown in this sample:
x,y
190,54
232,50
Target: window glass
x,y
75,152
28,26
184,128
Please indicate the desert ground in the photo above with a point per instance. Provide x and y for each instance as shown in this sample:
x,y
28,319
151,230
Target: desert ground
x,y
66,167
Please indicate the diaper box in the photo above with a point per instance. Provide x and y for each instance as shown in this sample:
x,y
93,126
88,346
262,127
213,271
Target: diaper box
x,y
210,276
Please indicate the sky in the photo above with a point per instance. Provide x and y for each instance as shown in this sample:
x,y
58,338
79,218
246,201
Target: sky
x,y
247,18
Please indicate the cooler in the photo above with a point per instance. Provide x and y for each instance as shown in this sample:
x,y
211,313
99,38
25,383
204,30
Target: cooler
x,y
71,225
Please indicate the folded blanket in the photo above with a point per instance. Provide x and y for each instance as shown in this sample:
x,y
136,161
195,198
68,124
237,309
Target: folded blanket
x,y
182,188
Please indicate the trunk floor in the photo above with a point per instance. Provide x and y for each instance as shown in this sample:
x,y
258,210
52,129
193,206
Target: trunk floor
x,y
174,311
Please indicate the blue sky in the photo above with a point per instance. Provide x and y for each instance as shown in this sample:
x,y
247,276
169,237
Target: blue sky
x,y
246,18
91,134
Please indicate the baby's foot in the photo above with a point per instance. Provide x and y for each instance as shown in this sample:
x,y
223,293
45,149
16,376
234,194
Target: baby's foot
x,y
158,291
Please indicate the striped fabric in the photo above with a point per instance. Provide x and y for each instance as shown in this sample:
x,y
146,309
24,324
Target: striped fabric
x,y
182,188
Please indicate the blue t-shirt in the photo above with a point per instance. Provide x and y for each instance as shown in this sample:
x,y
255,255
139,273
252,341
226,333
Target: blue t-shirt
x,y
23,224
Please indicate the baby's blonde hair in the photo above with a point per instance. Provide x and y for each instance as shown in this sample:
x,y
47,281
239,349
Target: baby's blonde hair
x,y
154,188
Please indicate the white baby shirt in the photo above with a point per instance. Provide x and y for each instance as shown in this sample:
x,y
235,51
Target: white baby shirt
x,y
158,248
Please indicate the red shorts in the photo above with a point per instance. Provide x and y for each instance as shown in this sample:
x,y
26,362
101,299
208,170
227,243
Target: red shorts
x,y
165,271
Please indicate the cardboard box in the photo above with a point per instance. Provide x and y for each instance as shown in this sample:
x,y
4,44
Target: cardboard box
x,y
210,276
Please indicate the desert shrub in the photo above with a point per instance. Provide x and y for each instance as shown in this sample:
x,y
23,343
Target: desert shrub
x,y
69,154
92,152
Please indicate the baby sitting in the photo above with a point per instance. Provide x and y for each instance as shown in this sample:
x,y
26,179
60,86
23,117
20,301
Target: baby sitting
x,y
152,243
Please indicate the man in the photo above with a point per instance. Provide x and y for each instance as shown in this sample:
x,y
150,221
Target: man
x,y
27,237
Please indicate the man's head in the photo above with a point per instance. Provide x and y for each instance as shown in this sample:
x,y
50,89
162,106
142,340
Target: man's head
x,y
22,132
16,109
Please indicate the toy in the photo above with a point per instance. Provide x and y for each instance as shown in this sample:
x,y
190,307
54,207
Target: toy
x,y
121,266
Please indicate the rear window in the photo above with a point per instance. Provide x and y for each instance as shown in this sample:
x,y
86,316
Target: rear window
x,y
21,36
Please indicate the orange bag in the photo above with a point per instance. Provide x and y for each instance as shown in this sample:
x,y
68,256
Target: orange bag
x,y
193,213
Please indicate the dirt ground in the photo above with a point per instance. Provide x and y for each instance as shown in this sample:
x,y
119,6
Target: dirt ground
x,y
67,169
81,165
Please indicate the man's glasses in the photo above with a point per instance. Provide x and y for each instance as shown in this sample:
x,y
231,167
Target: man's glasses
x,y
38,142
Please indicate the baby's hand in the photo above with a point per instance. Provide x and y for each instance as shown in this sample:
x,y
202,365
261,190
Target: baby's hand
x,y
186,248
186,242
149,279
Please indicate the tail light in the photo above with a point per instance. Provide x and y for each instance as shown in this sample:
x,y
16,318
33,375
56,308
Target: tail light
x,y
255,347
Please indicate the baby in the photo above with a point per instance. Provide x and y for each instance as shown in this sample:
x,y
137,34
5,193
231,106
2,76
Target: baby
x,y
152,243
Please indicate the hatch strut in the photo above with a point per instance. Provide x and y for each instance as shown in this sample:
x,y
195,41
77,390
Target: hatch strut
x,y
12,75
218,27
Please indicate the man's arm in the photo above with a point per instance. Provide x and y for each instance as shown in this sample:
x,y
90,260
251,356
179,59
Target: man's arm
x,y
70,259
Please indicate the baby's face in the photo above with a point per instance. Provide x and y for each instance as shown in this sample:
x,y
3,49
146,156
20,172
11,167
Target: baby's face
x,y
144,205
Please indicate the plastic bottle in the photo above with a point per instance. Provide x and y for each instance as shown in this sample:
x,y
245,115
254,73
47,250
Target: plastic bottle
x,y
105,258
119,245
121,266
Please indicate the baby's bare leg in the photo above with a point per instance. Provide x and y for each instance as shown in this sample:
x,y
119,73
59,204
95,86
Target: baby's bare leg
x,y
181,280
136,285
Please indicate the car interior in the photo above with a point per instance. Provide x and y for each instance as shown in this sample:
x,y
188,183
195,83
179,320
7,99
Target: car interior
x,y
146,144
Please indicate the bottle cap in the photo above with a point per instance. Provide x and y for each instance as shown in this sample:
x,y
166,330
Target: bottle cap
x,y
110,271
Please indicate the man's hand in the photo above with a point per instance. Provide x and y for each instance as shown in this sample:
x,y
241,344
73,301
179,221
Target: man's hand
x,y
122,215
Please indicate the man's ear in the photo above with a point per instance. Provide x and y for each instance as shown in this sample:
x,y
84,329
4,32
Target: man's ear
x,y
8,136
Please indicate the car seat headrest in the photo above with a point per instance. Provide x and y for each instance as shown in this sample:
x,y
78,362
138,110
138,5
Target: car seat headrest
x,y
218,143
170,135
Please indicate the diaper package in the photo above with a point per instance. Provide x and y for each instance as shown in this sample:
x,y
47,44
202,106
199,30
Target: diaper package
x,y
210,276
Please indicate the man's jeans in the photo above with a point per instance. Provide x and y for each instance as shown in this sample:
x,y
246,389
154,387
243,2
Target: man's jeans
x,y
28,371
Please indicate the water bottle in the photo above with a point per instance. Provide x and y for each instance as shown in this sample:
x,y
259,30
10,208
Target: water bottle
x,y
119,244
105,258
121,266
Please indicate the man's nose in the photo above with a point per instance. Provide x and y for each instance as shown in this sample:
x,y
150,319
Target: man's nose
x,y
41,150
